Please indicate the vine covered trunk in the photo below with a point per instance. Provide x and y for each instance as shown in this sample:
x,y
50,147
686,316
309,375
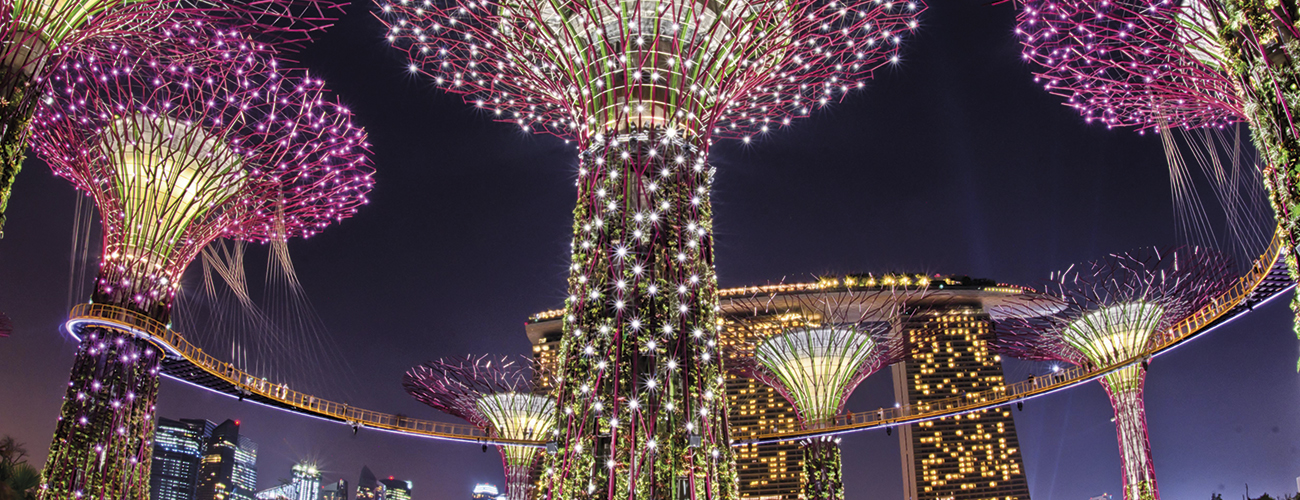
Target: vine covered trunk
x,y
822,470
1125,390
103,440
1260,43
17,105
642,409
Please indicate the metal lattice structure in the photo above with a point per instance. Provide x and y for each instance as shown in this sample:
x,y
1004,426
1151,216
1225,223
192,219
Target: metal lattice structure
x,y
178,145
644,88
41,35
1184,64
1132,63
494,393
827,343
1119,308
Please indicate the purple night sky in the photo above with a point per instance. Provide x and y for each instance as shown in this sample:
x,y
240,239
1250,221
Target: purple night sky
x,y
953,162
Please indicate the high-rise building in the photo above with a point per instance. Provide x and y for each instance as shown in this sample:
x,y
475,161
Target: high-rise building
x,y
229,469
485,491
775,471
369,488
335,491
306,482
281,492
770,471
178,449
305,485
396,489
975,456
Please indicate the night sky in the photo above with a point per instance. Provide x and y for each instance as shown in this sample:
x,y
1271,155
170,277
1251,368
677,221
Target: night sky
x,y
951,162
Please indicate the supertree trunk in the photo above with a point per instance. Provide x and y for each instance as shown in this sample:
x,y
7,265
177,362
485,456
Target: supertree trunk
x,y
641,401
1261,45
1125,390
17,104
822,468
103,441
518,486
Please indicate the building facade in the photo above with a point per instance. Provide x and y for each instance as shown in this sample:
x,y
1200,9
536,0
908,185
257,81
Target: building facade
x,y
335,491
770,471
968,457
281,492
229,469
485,491
948,332
396,489
306,482
178,450
368,487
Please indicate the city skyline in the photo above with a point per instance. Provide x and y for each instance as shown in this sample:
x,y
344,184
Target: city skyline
x,y
1012,228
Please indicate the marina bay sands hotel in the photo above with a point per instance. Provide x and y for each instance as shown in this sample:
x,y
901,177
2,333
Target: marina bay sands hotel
x,y
971,457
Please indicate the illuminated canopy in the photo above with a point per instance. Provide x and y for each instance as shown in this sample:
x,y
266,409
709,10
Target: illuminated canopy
x,y
201,138
519,416
1114,333
578,69
1132,63
496,394
817,366
166,175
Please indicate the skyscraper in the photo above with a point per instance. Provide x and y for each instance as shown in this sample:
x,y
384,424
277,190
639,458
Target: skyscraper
x,y
969,457
775,471
335,491
229,470
396,489
306,482
178,449
369,488
770,471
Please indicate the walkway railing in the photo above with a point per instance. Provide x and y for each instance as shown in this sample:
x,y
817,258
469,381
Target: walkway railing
x,y
224,377
243,384
1236,295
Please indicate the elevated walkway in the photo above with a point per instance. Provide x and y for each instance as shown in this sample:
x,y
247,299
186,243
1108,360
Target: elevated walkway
x,y
1268,278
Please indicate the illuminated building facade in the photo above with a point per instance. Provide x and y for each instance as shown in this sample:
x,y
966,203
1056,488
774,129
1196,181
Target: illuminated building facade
x,y
229,469
396,489
335,491
306,482
281,492
769,471
485,491
178,449
369,488
775,471
970,457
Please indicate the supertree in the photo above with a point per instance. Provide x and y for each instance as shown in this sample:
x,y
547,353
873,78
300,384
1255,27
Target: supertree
x,y
827,343
199,138
643,89
495,393
1117,310
1182,64
37,35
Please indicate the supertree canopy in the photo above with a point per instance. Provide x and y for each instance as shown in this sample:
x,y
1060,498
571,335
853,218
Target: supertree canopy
x,y
39,34
494,393
643,88
178,145
1184,64
1148,65
828,342
1117,310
